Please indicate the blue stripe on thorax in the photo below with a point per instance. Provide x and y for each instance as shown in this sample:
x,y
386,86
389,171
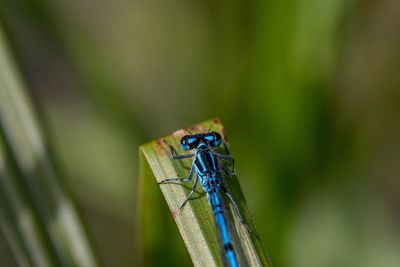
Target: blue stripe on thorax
x,y
206,162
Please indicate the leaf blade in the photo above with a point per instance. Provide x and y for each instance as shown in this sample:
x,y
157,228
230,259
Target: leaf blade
x,y
39,217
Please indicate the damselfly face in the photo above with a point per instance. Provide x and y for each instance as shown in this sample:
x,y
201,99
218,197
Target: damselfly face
x,y
189,142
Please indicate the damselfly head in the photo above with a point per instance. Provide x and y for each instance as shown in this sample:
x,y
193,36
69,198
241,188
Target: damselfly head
x,y
189,142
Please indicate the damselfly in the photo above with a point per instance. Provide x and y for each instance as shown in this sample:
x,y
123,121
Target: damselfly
x,y
208,167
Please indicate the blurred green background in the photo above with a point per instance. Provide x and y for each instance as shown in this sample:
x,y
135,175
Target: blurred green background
x,y
308,90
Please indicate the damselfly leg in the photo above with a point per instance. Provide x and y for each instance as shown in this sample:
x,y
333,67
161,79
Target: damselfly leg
x,y
190,194
235,206
227,157
187,179
175,155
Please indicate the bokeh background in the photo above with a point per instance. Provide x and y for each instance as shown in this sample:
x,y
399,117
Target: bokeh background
x,y
308,90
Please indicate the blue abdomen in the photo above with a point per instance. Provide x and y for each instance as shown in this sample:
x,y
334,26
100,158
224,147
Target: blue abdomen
x,y
218,209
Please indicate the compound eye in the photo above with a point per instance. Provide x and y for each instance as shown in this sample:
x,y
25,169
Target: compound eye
x,y
218,139
214,139
209,138
189,142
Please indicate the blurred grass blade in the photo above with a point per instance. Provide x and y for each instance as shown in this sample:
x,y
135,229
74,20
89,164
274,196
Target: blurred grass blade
x,y
195,222
37,216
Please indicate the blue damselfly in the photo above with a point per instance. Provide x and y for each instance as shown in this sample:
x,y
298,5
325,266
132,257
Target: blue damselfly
x,y
209,168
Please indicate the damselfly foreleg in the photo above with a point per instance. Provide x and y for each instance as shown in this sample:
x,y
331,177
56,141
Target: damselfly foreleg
x,y
187,179
175,155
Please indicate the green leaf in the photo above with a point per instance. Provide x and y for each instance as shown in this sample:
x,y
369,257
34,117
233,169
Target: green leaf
x,y
37,215
195,222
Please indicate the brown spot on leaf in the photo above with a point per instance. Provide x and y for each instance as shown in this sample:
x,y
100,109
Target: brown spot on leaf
x,y
216,121
180,132
174,214
159,142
